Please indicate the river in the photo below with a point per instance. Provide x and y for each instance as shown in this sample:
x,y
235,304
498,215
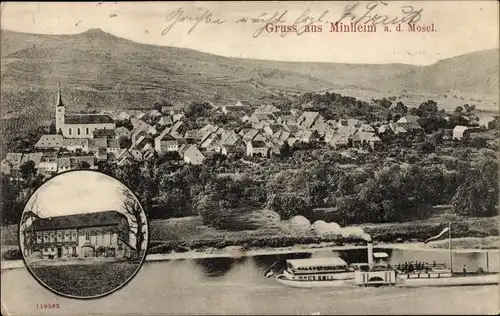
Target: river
x,y
237,286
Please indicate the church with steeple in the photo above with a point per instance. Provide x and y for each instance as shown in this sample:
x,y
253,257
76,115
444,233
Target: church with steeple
x,y
80,125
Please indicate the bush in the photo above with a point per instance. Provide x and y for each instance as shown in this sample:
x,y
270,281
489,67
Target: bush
x,y
12,254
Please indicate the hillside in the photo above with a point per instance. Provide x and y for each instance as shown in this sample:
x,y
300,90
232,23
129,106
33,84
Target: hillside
x,y
98,70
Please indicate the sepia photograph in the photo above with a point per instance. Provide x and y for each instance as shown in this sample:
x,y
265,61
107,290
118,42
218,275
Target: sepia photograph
x,y
83,234
250,158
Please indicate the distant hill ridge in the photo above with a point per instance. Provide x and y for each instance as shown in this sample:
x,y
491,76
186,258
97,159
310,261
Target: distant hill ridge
x,y
99,69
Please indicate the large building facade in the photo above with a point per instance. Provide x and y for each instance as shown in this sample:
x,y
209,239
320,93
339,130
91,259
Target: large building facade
x,y
99,234
81,125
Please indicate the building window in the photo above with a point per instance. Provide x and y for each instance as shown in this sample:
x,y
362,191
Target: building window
x,y
73,236
87,130
78,131
87,236
59,236
45,238
66,236
69,131
59,110
46,249
52,237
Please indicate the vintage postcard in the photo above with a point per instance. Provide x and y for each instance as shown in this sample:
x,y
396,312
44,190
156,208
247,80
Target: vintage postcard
x,y
253,157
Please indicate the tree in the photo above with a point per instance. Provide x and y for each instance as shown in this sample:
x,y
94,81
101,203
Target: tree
x,y
400,108
124,142
82,164
27,219
157,106
196,109
10,203
285,150
428,147
27,170
137,224
125,123
460,109
288,205
52,128
478,193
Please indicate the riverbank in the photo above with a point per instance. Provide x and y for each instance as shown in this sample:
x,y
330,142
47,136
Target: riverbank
x,y
236,252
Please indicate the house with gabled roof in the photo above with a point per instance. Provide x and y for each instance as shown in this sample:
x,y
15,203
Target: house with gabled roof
x,y
113,146
461,132
180,128
282,135
165,120
267,108
192,136
49,142
96,143
347,130
160,144
338,141
272,129
361,138
262,118
253,134
230,138
286,119
210,140
397,129
76,162
11,163
178,117
81,235
305,136
122,132
366,128
243,103
103,133
410,123
191,155
75,144
48,163
140,124
321,127
35,157
123,116
257,148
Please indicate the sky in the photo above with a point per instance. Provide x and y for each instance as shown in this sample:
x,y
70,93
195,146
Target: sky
x,y
461,27
76,193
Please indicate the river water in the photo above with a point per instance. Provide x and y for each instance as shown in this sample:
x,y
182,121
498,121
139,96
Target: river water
x,y
237,286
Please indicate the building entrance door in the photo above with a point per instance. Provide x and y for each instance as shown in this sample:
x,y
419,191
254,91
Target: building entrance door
x,y
59,252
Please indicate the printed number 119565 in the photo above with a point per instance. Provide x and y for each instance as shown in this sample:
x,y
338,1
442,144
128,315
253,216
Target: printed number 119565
x,y
47,306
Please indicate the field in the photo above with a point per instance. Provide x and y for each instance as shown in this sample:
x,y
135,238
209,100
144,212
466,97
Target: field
x,y
188,233
85,280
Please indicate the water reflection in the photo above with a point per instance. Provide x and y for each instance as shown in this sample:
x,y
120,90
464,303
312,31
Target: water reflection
x,y
219,267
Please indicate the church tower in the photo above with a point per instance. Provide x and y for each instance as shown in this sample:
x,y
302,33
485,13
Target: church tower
x,y
60,109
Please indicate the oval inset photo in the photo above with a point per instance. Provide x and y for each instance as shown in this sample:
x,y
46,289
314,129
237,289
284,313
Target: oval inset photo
x,y
83,234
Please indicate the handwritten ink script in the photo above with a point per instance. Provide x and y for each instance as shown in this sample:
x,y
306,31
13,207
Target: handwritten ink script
x,y
357,15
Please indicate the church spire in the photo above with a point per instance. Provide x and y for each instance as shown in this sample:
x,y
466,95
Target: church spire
x,y
59,96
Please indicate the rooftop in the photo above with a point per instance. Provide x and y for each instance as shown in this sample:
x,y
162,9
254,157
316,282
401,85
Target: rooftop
x,y
104,218
316,262
88,119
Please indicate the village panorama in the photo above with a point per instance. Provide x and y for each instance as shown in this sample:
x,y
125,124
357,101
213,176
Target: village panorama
x,y
224,168
252,170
